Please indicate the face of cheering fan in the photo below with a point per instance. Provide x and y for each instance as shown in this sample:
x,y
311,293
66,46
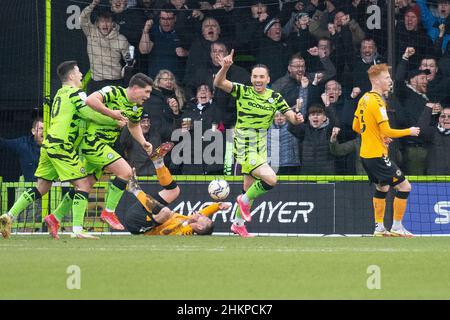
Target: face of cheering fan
x,y
104,25
296,69
167,81
118,6
431,65
258,9
274,32
420,83
444,118
218,51
368,49
167,21
443,9
316,119
210,29
204,94
411,21
280,119
38,132
333,90
145,125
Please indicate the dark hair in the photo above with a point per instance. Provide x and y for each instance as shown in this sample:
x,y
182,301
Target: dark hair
x,y
140,80
204,84
104,14
369,39
260,65
316,108
208,230
296,56
64,69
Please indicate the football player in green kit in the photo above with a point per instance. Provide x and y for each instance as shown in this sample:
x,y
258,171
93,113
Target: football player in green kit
x,y
256,106
59,157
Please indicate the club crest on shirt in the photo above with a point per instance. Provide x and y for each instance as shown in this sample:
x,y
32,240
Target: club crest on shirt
x,y
110,156
270,100
135,108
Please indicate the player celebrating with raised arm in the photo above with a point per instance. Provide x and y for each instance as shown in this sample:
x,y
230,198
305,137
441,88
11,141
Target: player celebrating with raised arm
x,y
59,156
256,106
372,122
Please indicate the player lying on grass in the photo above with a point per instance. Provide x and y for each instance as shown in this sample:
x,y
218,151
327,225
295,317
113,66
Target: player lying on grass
x,y
170,191
151,216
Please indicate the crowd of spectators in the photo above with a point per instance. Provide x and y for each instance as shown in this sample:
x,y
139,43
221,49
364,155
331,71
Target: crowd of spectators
x,y
318,53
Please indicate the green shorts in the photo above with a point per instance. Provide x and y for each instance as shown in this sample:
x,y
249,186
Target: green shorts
x,y
250,150
97,155
60,161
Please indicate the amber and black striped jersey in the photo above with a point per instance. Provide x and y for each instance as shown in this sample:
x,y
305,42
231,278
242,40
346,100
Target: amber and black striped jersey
x,y
172,227
370,113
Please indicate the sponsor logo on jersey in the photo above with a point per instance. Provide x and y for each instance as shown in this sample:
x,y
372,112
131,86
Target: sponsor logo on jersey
x,y
82,96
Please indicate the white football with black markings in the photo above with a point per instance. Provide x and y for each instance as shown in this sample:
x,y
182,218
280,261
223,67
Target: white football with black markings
x,y
219,189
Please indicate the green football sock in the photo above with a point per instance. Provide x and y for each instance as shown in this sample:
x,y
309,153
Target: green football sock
x,y
26,198
79,205
256,190
115,191
64,206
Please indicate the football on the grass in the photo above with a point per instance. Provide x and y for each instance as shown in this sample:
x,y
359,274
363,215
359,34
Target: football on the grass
x,y
219,189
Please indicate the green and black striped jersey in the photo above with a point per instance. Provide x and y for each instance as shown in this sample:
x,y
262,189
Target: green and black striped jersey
x,y
65,116
256,111
114,98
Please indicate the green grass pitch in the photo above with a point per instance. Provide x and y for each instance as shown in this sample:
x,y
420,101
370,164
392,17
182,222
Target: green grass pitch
x,y
221,267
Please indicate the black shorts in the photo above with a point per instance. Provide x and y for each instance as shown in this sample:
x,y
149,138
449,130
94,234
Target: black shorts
x,y
138,220
383,171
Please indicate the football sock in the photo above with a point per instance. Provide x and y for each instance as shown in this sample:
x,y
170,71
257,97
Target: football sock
x,y
79,205
400,202
164,176
379,205
115,192
257,189
64,206
26,198
238,218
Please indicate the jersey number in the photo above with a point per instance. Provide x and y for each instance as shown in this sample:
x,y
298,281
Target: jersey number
x,y
363,128
56,106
